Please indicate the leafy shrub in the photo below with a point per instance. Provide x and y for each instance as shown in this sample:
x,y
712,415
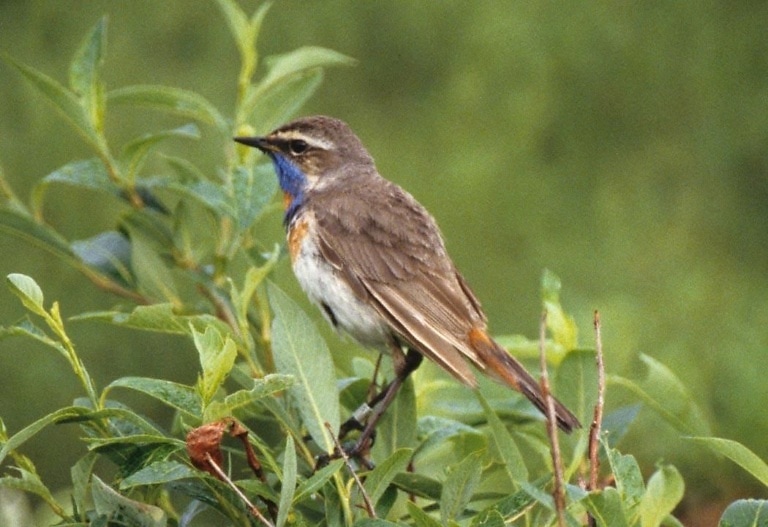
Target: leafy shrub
x,y
267,401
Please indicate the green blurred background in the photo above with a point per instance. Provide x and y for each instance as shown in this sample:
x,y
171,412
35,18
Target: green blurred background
x,y
622,145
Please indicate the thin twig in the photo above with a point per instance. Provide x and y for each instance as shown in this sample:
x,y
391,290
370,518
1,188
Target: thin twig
x,y
366,499
251,507
597,419
558,493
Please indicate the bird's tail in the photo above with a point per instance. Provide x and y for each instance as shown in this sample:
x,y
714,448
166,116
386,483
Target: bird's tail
x,y
504,368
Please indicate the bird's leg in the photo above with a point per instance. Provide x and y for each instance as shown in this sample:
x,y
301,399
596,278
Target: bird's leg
x,y
404,364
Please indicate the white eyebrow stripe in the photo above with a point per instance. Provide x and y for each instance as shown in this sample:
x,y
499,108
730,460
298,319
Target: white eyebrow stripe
x,y
311,141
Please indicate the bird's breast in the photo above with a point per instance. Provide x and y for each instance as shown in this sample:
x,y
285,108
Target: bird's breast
x,y
326,287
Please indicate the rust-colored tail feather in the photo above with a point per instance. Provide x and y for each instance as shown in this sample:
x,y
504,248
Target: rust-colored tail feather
x,y
501,366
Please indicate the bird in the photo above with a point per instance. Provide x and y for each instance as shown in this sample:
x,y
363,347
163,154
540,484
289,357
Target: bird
x,y
374,261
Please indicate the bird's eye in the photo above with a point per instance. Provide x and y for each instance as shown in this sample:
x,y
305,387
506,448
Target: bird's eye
x,y
297,146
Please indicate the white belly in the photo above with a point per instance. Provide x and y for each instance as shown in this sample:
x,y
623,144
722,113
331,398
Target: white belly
x,y
338,303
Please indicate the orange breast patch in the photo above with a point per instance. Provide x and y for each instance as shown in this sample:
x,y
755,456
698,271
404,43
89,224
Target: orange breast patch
x,y
296,235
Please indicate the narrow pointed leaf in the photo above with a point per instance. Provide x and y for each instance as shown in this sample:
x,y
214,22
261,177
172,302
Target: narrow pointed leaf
x,y
299,350
381,477
289,483
111,503
283,68
159,473
26,433
279,101
62,99
663,392
459,486
397,427
88,174
737,453
504,444
135,152
22,226
421,518
30,483
160,318
172,100
84,74
245,399
317,480
178,396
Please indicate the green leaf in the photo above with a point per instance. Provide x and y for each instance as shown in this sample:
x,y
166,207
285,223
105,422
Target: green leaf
x,y
153,276
245,33
158,473
663,391
178,396
317,480
381,477
278,102
109,253
81,473
737,453
89,174
299,350
629,479
745,513
511,506
62,99
84,72
172,100
419,517
135,152
576,383
26,328
253,279
101,443
160,318
505,448
397,427
28,291
664,491
41,236
375,522
561,325
418,485
252,189
459,486
112,504
490,519
606,508
210,195
26,433
31,483
217,357
289,483
242,399
286,67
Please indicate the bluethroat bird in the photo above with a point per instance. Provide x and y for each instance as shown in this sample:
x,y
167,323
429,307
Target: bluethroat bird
x,y
374,261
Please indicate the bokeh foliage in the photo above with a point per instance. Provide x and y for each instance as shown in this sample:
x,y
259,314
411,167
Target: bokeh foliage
x,y
622,146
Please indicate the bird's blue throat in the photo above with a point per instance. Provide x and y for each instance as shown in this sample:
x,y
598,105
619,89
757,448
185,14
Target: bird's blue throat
x,y
292,182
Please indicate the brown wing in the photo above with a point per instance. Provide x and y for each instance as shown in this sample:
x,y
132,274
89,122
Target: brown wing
x,y
391,251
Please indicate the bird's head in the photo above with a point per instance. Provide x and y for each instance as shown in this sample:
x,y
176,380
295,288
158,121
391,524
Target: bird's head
x,y
309,152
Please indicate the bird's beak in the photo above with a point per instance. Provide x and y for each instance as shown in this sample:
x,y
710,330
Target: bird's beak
x,y
262,143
